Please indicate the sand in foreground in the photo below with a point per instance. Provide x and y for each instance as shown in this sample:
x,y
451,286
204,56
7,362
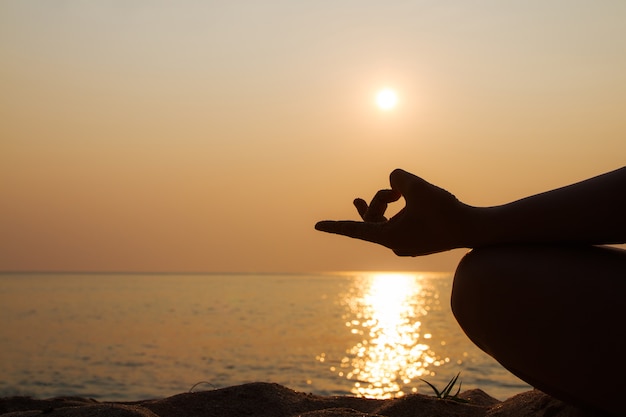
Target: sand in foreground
x,y
273,400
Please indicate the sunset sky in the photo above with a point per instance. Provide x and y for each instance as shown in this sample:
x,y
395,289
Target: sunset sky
x,y
212,135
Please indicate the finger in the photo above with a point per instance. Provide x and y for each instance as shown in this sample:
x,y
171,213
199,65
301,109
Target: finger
x,y
400,180
386,196
371,232
412,187
361,207
378,206
403,181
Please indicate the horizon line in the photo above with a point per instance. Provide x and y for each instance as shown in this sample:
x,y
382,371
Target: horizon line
x,y
117,272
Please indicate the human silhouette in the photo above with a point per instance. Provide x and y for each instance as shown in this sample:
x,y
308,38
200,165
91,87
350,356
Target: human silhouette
x,y
540,291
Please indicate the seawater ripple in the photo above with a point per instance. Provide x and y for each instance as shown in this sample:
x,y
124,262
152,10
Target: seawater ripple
x,y
124,337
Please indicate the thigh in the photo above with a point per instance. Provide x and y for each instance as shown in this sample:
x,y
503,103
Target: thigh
x,y
554,316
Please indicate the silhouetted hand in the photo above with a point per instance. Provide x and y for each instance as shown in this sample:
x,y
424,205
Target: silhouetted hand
x,y
432,220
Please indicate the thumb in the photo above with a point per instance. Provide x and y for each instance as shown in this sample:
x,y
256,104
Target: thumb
x,y
407,183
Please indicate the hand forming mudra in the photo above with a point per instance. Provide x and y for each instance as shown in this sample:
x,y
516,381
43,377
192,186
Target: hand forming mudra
x,y
432,220
533,265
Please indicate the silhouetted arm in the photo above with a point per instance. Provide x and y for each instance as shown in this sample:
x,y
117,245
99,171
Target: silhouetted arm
x,y
589,212
433,220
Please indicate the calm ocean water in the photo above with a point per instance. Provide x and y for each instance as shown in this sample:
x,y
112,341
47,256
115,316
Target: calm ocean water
x,y
130,336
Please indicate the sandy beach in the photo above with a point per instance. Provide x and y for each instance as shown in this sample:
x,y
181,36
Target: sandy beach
x,y
273,400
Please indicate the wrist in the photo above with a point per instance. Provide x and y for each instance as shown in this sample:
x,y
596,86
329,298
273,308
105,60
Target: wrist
x,y
477,227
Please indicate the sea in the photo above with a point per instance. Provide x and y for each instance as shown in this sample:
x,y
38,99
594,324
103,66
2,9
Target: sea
x,y
126,337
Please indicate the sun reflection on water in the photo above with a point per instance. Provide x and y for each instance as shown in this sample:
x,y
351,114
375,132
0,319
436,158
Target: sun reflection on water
x,y
386,309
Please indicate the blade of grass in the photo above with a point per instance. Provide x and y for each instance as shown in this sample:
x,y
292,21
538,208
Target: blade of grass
x,y
448,388
437,393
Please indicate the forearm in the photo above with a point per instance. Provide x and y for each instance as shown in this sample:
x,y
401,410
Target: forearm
x,y
588,212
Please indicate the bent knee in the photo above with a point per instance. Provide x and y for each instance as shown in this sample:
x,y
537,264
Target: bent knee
x,y
486,296
532,287
473,281
488,279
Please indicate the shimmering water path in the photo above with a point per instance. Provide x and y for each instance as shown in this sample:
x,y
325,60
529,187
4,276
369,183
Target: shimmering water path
x,y
129,336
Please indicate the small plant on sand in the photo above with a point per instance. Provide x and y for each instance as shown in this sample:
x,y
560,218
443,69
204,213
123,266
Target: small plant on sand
x,y
444,394
201,382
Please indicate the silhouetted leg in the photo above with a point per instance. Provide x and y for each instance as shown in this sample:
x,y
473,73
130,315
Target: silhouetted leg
x,y
553,316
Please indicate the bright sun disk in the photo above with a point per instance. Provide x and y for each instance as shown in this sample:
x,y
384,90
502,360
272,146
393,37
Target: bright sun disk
x,y
386,99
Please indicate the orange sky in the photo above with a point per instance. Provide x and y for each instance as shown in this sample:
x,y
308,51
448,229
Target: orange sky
x,y
211,136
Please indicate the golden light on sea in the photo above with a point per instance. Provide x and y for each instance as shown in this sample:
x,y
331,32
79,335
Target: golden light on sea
x,y
386,310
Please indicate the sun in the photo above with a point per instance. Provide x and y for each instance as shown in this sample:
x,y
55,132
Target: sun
x,y
386,99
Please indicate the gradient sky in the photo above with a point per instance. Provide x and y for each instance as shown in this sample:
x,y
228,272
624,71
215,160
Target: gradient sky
x,y
211,135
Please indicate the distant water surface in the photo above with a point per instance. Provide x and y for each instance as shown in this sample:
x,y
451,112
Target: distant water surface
x,y
130,336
